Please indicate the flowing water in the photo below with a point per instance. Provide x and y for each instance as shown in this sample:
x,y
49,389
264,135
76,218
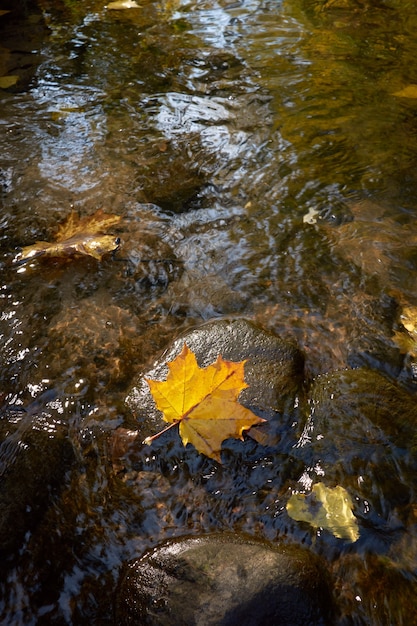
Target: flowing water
x,y
262,157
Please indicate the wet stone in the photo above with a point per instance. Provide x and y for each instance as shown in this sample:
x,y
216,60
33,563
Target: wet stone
x,y
361,433
224,580
22,33
273,372
172,183
364,395
35,454
204,296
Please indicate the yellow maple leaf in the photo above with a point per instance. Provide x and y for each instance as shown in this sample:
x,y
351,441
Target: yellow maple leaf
x,y
76,237
203,401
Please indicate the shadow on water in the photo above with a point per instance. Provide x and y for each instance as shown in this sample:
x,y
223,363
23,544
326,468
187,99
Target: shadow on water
x,y
261,156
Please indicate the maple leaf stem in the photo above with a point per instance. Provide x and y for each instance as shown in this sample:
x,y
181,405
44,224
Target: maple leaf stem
x,y
149,440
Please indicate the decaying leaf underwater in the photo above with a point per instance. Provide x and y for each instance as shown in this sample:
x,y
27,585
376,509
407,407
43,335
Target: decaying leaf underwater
x,y
76,237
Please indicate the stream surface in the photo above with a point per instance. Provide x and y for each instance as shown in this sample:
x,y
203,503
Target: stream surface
x,y
262,156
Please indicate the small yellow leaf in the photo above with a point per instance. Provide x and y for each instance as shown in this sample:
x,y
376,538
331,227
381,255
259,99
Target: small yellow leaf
x,y
123,4
406,339
407,92
8,81
326,508
408,319
406,343
203,401
82,245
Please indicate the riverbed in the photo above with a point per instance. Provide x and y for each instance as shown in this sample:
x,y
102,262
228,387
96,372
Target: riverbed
x,y
261,155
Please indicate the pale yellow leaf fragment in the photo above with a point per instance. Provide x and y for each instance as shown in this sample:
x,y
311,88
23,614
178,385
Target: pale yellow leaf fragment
x,y
123,4
408,319
8,81
326,508
410,91
407,340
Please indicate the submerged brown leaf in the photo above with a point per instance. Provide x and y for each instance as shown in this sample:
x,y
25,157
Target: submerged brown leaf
x,y
90,224
406,339
76,237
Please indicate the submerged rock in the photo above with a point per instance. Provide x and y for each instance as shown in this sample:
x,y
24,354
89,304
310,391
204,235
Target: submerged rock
x,y
99,336
35,454
361,434
363,398
274,368
224,580
375,589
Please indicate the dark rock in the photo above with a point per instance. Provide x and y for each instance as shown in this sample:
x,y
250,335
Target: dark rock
x,y
383,585
274,368
361,434
365,396
369,332
224,580
171,182
22,33
34,455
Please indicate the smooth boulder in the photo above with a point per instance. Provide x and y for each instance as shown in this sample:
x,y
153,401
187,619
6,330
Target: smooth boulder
x,y
274,368
224,580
